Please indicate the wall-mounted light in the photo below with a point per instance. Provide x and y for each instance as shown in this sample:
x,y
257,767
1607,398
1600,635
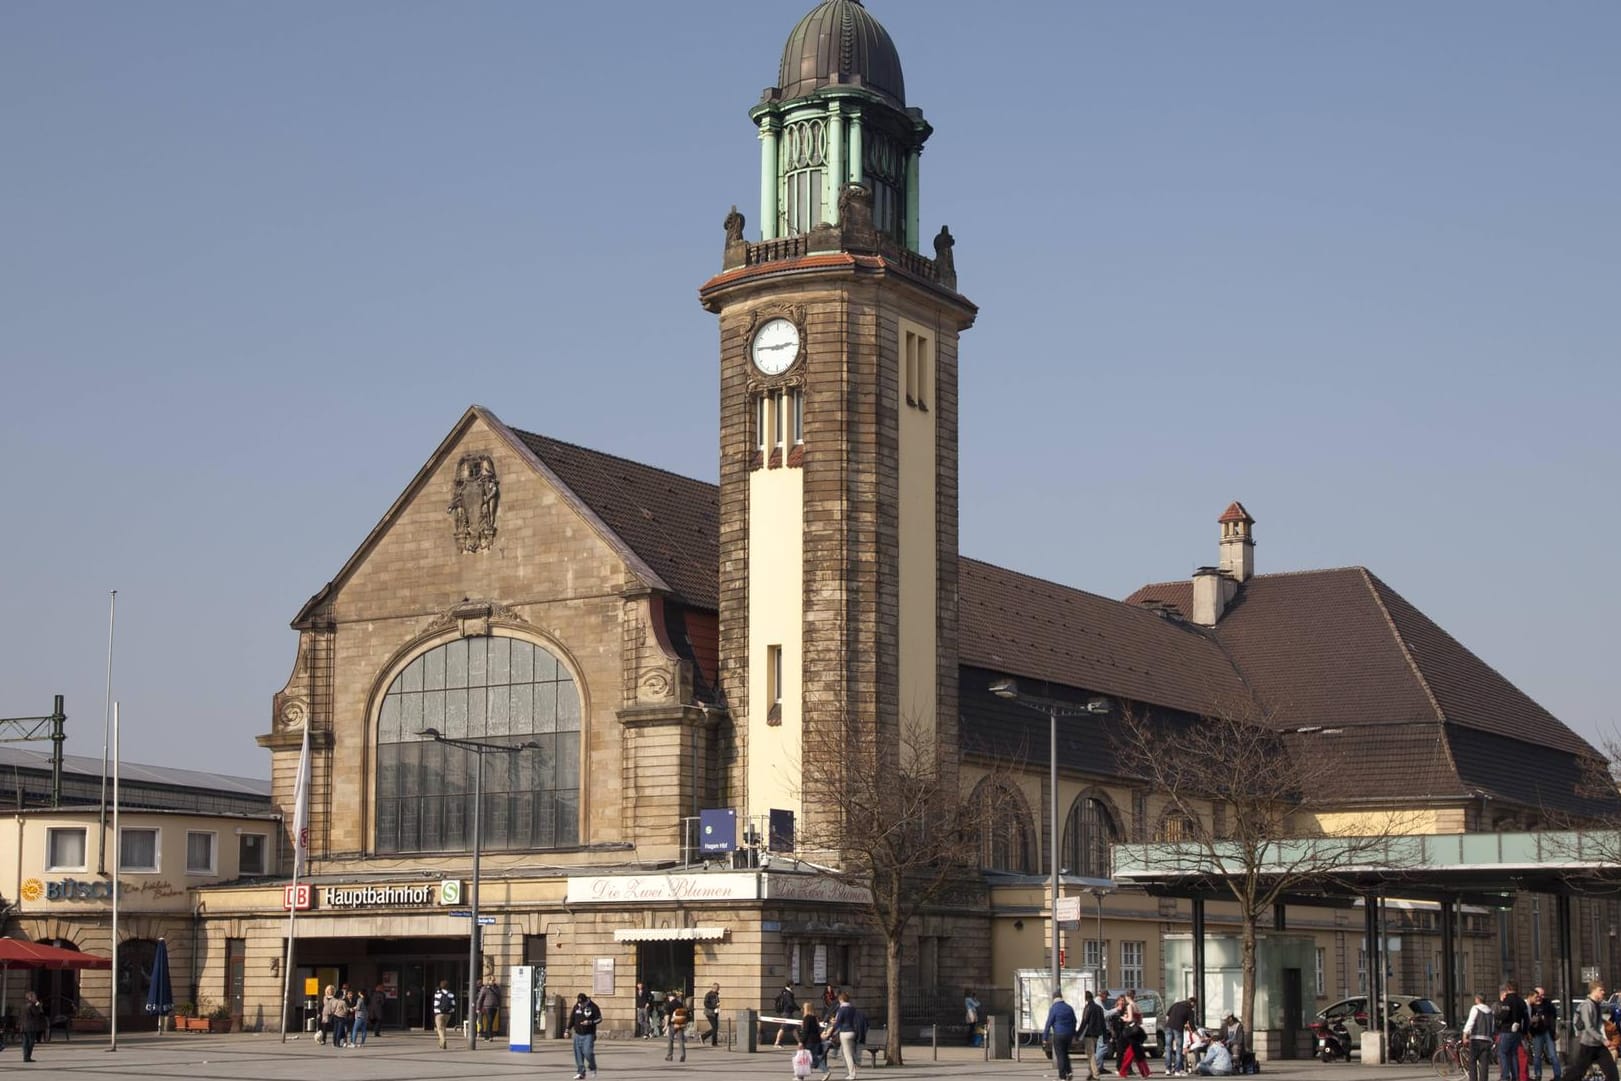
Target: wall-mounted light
x,y
1018,925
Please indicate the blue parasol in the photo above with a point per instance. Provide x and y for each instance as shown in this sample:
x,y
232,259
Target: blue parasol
x,y
159,995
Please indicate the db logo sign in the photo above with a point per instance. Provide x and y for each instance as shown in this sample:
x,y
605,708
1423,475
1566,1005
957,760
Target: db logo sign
x,y
299,897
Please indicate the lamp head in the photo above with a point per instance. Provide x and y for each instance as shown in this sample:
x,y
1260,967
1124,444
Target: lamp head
x,y
431,733
1099,705
1006,688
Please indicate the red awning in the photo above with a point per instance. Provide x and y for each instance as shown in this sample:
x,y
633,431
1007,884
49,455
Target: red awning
x,y
17,953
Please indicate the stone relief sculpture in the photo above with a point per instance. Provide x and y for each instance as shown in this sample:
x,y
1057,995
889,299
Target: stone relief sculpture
x,y
734,226
474,503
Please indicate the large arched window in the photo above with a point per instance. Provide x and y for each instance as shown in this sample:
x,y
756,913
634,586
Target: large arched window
x,y
503,690
1087,835
1005,833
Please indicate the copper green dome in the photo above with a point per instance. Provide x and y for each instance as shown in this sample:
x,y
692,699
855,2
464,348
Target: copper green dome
x,y
840,44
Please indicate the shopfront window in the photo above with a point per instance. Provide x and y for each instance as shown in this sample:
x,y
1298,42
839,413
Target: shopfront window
x,y
500,690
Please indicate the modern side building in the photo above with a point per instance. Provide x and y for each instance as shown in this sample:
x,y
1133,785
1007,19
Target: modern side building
x,y
177,830
639,647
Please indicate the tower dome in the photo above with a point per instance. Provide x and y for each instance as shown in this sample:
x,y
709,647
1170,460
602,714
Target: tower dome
x,y
840,44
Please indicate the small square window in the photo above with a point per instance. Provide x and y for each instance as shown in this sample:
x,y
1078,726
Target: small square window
x,y
251,854
64,849
199,853
138,850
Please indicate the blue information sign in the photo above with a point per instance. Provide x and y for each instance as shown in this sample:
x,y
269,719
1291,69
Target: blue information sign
x,y
717,831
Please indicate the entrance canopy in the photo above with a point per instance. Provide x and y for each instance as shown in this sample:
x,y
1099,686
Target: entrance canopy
x,y
17,953
1474,868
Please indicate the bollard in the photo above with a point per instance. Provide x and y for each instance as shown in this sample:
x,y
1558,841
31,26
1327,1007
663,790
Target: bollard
x,y
746,1025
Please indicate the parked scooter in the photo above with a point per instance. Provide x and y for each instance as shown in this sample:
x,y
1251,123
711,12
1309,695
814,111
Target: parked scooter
x,y
1333,1042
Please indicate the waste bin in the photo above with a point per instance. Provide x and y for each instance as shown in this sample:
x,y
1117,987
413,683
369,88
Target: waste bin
x,y
748,1030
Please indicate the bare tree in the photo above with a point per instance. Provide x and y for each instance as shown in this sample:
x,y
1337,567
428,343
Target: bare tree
x,y
1235,789
894,823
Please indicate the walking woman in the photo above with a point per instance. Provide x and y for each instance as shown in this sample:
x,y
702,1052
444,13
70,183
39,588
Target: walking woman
x,y
810,1037
1135,1053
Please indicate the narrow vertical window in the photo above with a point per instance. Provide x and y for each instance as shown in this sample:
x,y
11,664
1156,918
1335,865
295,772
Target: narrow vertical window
x,y
761,424
779,405
910,355
773,677
797,396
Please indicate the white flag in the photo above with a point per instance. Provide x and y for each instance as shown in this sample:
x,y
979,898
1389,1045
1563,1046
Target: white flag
x,y
301,807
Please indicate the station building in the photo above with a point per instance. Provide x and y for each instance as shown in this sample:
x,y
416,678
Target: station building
x,y
648,646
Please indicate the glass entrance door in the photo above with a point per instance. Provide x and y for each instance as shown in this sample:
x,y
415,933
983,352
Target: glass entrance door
x,y
666,966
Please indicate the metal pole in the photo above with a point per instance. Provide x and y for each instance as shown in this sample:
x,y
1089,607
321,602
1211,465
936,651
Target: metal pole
x,y
106,732
1103,950
1052,716
472,935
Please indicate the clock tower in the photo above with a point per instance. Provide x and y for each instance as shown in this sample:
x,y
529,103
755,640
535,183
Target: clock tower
x,y
838,475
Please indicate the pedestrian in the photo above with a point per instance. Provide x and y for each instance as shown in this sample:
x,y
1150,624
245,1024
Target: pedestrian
x,y
1090,1030
374,1010
1238,1043
1132,1035
1512,1018
675,1024
830,1002
1217,1060
340,1017
489,1004
328,997
712,1015
582,1022
810,1038
1177,1019
34,1025
970,1012
644,1011
1590,1046
847,1023
444,1009
1477,1036
1060,1030
1544,1023
785,1006
359,1020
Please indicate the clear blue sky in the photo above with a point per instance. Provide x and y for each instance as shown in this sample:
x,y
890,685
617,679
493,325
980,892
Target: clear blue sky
x,y
1353,264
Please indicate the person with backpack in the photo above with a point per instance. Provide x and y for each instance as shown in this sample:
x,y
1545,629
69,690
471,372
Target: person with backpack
x,y
675,1024
1590,1045
444,1008
1512,1019
786,1006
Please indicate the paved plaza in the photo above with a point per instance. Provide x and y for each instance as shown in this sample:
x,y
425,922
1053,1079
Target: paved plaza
x,y
416,1057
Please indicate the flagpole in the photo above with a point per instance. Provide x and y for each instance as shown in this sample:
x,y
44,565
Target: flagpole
x,y
106,723
118,865
301,832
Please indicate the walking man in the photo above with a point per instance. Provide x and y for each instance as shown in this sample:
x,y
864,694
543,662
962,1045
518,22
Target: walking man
x,y
1090,1030
582,1021
444,1008
1590,1047
786,1006
374,1011
712,1015
1060,1029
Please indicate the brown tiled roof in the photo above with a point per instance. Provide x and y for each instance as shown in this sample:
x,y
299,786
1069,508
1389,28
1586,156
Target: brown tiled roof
x,y
1235,512
668,520
1025,626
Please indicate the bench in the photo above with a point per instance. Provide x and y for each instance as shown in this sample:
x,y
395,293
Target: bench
x,y
877,1044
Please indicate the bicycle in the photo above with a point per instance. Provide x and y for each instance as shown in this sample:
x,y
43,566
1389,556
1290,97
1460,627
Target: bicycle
x,y
1449,1061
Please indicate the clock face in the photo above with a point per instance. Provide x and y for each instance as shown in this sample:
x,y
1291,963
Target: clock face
x,y
775,346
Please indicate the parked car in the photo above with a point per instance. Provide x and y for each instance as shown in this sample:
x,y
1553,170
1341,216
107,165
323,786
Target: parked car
x,y
1353,1014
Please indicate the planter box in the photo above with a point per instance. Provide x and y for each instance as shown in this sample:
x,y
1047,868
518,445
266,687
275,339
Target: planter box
x,y
192,1024
87,1024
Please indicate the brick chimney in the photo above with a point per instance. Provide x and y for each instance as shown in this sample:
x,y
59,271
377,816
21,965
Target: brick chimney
x,y
1209,596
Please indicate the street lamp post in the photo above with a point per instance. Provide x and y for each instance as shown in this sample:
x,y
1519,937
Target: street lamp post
x,y
1054,709
480,748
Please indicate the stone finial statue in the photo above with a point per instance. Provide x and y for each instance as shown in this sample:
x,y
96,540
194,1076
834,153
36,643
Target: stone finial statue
x,y
734,226
855,218
944,264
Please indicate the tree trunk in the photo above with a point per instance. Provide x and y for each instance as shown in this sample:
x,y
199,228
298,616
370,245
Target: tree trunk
x,y
1247,1001
892,976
